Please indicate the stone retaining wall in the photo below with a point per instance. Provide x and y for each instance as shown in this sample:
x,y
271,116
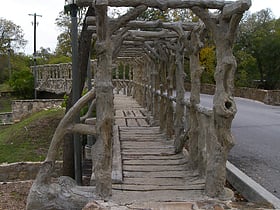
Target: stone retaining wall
x,y
6,118
23,108
22,171
270,97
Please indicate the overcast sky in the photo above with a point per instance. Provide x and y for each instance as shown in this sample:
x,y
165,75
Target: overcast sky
x,y
47,32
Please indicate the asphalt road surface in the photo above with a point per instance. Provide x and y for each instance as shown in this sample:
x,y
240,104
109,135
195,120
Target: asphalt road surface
x,y
256,128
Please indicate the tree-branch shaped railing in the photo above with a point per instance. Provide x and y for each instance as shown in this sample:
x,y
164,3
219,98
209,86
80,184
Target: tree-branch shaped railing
x,y
46,193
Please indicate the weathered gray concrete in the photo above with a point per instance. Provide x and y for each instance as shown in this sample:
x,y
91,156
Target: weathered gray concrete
x,y
250,189
22,171
23,108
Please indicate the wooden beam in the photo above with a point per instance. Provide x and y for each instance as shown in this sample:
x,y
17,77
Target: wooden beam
x,y
187,26
153,34
161,4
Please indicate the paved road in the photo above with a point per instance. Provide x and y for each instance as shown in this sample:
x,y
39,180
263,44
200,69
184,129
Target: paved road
x,y
256,128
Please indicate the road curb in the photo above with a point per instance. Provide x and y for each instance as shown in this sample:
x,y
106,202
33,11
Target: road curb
x,y
250,189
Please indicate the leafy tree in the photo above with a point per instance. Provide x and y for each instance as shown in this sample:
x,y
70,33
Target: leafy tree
x,y
22,82
246,69
167,15
207,58
44,54
56,59
63,22
257,50
11,36
154,14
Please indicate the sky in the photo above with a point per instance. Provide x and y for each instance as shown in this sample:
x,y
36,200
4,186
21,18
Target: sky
x,y
18,11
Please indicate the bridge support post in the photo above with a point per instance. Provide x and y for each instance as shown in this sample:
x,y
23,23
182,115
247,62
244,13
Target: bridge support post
x,y
196,144
223,27
180,93
102,150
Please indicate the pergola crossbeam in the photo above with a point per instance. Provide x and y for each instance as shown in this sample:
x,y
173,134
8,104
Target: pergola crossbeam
x,y
163,5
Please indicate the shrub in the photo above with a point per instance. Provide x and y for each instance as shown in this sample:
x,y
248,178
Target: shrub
x,y
23,83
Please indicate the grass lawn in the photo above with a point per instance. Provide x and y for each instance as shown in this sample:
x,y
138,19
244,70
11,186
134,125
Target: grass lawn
x,y
5,104
6,101
29,139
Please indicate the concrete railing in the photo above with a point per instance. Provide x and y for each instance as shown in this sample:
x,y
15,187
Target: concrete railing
x,y
55,78
270,97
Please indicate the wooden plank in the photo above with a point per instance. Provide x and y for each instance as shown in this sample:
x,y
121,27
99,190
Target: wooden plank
x,y
120,122
151,169
147,153
152,157
117,160
163,181
130,141
138,113
119,113
156,187
141,138
142,145
130,117
155,181
155,168
128,113
142,122
157,195
132,122
155,162
151,129
158,174
148,144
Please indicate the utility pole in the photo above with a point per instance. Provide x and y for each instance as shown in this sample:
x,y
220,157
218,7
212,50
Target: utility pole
x,y
9,61
35,50
73,9
9,57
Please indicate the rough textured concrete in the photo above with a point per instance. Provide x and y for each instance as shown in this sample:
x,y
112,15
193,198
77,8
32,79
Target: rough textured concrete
x,y
23,108
24,171
250,189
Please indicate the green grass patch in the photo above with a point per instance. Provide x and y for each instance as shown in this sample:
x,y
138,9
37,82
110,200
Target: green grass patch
x,y
5,87
5,104
29,139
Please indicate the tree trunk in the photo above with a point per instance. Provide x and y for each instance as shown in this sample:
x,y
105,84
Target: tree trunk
x,y
102,150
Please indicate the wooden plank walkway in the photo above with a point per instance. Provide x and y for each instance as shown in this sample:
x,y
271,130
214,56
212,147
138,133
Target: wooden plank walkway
x,y
151,171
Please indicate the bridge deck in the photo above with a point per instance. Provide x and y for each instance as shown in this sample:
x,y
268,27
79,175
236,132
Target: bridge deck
x,y
151,170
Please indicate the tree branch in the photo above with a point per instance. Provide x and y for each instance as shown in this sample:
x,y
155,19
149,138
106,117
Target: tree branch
x,y
82,129
116,24
61,129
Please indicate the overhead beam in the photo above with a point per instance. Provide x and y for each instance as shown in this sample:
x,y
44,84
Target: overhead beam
x,y
161,4
187,26
153,34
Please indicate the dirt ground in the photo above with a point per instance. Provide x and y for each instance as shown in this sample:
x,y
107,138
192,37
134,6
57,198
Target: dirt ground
x,y
13,195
